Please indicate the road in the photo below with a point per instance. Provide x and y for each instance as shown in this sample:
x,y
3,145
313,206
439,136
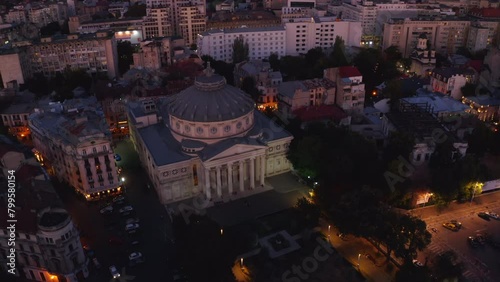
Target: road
x,y
154,234
481,264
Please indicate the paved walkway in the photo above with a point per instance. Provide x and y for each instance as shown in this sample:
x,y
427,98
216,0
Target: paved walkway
x,y
359,252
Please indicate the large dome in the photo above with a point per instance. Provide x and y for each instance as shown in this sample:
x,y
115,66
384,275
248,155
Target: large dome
x,y
211,100
210,111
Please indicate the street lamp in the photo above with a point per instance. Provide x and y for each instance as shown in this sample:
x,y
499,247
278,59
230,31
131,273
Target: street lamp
x,y
241,263
123,179
329,226
221,231
359,257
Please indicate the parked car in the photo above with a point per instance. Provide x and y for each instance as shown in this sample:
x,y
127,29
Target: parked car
x,y
114,272
126,209
417,263
135,258
472,241
132,220
457,224
493,215
118,157
483,215
106,210
96,263
450,226
119,198
132,227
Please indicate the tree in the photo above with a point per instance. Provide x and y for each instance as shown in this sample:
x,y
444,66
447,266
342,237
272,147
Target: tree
x,y
469,89
399,144
314,55
50,29
306,154
274,61
193,47
393,54
338,56
445,267
308,212
38,84
64,83
240,50
409,273
248,85
125,54
136,11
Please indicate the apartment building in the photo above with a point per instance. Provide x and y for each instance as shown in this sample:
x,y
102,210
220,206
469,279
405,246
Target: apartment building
x,y
225,20
445,35
15,116
15,65
93,52
294,95
157,22
482,35
262,42
192,21
266,80
303,34
16,15
350,88
450,80
73,140
157,52
42,15
48,244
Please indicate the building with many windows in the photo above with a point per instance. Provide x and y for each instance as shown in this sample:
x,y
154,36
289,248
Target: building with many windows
x,y
262,42
192,21
47,243
449,81
157,22
350,88
94,52
73,141
207,141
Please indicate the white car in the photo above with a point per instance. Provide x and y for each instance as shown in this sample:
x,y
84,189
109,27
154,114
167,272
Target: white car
x,y
126,209
132,220
131,227
119,198
137,256
106,210
417,263
493,215
114,272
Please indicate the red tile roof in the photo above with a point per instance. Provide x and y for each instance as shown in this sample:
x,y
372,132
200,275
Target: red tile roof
x,y
477,65
348,71
485,12
322,112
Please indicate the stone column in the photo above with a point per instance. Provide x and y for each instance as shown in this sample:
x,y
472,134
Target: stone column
x,y
218,175
252,173
241,176
207,183
262,169
230,177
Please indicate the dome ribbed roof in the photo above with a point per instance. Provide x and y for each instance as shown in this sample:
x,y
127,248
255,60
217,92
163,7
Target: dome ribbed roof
x,y
211,100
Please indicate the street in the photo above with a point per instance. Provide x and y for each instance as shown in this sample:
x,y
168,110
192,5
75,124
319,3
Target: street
x,y
481,263
97,229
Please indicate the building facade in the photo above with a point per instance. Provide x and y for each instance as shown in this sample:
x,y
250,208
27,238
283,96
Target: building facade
x,y
350,89
262,42
423,58
209,142
74,142
449,81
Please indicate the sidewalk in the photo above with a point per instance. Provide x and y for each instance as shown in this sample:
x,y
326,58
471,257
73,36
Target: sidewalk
x,y
360,253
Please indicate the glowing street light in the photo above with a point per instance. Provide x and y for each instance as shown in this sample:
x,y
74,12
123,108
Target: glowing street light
x,y
329,227
123,179
359,257
221,231
241,262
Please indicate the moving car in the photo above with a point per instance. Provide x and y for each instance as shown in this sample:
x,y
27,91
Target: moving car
x,y
106,210
114,272
483,215
457,224
417,263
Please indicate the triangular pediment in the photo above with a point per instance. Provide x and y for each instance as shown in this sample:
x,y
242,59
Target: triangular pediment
x,y
237,149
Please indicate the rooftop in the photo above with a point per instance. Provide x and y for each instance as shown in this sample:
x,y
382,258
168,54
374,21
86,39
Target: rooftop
x,y
348,71
318,113
484,100
448,72
244,29
438,103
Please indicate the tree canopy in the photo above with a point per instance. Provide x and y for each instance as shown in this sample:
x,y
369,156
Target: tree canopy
x,y
240,50
125,54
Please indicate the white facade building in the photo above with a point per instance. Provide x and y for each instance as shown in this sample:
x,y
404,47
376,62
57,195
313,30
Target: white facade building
x,y
303,34
208,141
262,42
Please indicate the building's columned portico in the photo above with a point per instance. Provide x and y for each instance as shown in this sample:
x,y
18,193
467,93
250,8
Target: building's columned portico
x,y
230,177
